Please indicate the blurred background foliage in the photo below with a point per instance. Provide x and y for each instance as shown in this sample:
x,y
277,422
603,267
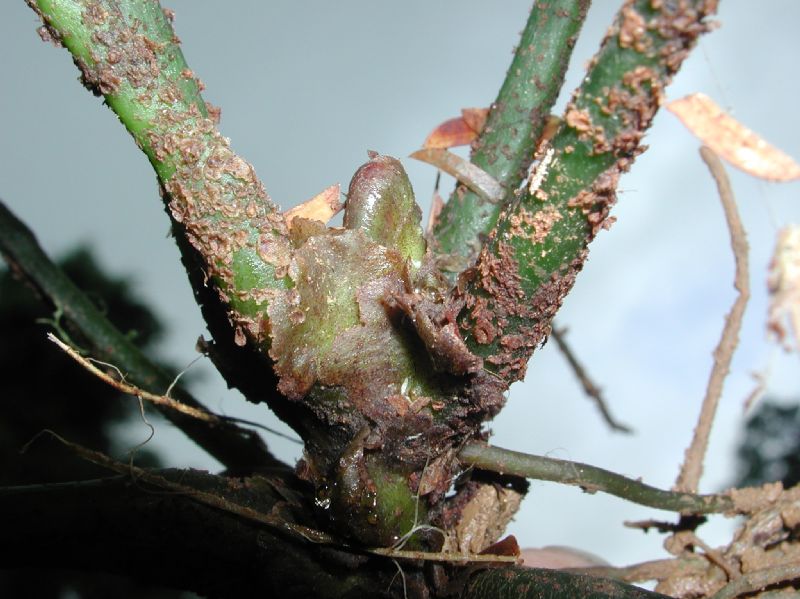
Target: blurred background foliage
x,y
770,448
42,388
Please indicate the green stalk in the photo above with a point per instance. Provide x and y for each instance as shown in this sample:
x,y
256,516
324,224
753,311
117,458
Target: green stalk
x,y
537,248
589,478
236,448
127,51
506,146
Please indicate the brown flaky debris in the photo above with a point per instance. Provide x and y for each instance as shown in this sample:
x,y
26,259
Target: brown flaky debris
x,y
530,261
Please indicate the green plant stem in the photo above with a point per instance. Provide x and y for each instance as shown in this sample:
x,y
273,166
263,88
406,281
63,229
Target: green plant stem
x,y
589,478
506,146
127,51
236,448
540,243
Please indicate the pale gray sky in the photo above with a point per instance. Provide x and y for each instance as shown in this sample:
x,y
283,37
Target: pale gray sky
x,y
307,87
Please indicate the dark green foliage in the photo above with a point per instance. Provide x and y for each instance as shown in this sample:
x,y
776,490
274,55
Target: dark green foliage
x,y
770,450
41,388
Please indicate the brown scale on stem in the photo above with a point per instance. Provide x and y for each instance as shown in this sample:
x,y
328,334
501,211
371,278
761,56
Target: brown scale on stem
x,y
530,260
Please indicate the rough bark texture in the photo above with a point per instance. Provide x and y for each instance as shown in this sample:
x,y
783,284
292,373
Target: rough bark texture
x,y
507,301
515,122
124,526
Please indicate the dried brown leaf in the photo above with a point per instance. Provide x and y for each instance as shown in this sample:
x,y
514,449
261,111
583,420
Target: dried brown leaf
x,y
475,118
483,519
734,142
459,131
478,180
506,546
322,207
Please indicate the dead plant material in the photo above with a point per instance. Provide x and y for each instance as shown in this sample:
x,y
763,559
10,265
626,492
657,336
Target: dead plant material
x,y
712,555
483,519
459,131
784,287
163,401
460,559
437,204
322,207
128,389
693,465
760,379
589,387
731,140
474,177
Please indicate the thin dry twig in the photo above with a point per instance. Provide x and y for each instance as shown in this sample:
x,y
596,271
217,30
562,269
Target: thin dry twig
x,y
127,388
757,393
758,580
589,386
693,465
450,558
160,400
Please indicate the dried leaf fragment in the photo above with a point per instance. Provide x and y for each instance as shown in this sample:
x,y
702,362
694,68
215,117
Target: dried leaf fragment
x,y
459,131
784,286
322,207
483,519
475,118
731,140
474,177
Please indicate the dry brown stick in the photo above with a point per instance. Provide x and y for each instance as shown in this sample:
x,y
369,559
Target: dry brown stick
x,y
127,388
164,401
758,580
693,465
450,558
589,386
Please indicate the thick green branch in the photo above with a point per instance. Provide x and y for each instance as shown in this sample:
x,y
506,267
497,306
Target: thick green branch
x,y
236,448
127,51
538,246
506,146
589,478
